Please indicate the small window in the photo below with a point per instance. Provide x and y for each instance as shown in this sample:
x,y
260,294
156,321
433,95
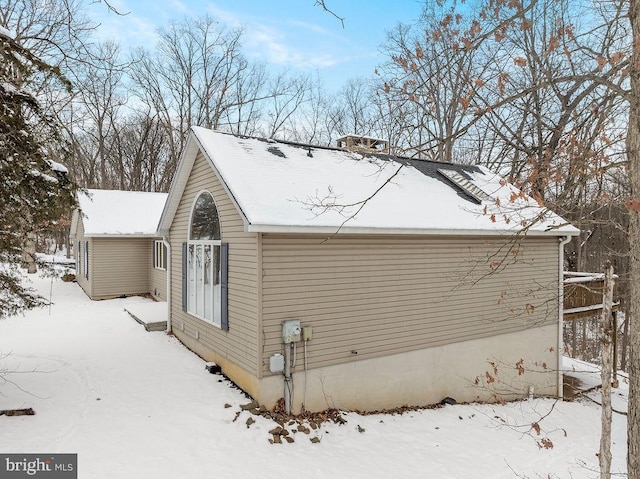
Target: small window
x,y
159,255
79,259
86,260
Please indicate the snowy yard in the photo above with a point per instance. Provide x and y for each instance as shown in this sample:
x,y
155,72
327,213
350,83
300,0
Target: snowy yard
x,y
138,404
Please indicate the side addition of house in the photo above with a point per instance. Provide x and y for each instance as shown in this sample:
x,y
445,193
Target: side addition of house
x,y
118,251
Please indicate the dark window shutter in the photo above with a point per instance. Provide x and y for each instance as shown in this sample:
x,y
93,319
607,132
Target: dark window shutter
x,y
86,254
224,286
184,276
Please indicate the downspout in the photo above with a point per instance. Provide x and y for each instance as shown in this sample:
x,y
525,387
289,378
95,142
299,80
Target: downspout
x,y
563,241
165,241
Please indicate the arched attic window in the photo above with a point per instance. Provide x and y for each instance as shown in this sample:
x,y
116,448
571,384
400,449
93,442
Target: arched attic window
x,y
205,260
205,224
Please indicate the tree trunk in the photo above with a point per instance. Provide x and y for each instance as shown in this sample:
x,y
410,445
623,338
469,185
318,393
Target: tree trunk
x,y
29,255
614,337
625,340
633,156
606,334
67,245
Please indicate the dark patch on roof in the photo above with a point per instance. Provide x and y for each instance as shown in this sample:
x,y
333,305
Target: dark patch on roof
x,y
264,140
274,150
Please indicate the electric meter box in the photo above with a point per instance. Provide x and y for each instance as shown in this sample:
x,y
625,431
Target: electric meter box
x,y
291,331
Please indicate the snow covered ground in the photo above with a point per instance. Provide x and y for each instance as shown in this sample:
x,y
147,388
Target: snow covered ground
x,y
138,404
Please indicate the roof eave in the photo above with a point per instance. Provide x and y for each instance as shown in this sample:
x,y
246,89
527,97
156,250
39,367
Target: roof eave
x,y
122,235
332,230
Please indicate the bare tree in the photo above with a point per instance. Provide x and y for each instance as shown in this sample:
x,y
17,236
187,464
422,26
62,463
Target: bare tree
x,y
191,77
470,92
633,155
94,115
310,125
432,78
197,75
140,148
286,96
247,116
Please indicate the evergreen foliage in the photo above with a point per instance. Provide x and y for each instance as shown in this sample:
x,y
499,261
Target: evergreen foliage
x,y
35,189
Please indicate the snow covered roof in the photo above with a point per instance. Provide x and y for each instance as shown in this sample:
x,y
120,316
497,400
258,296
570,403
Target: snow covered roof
x,y
290,188
120,213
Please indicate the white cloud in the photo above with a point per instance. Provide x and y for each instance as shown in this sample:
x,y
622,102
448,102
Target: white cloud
x,y
310,27
225,16
278,39
283,41
126,27
271,45
179,6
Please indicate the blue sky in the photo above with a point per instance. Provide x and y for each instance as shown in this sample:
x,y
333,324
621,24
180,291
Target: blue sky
x,y
292,34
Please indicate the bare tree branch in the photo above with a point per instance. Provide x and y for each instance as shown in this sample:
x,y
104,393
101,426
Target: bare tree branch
x,y
321,4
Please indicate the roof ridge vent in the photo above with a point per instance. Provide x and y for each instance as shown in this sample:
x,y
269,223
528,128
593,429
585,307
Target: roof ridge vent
x,y
465,185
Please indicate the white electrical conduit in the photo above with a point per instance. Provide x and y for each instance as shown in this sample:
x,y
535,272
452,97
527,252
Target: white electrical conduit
x,y
304,403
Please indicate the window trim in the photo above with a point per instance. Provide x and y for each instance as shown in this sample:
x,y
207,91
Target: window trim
x,y
217,312
193,207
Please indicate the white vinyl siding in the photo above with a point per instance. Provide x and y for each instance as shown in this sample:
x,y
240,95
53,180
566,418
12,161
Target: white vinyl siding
x,y
120,267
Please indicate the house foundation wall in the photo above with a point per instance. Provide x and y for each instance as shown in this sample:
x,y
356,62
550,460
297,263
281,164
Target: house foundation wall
x,y
244,379
464,371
